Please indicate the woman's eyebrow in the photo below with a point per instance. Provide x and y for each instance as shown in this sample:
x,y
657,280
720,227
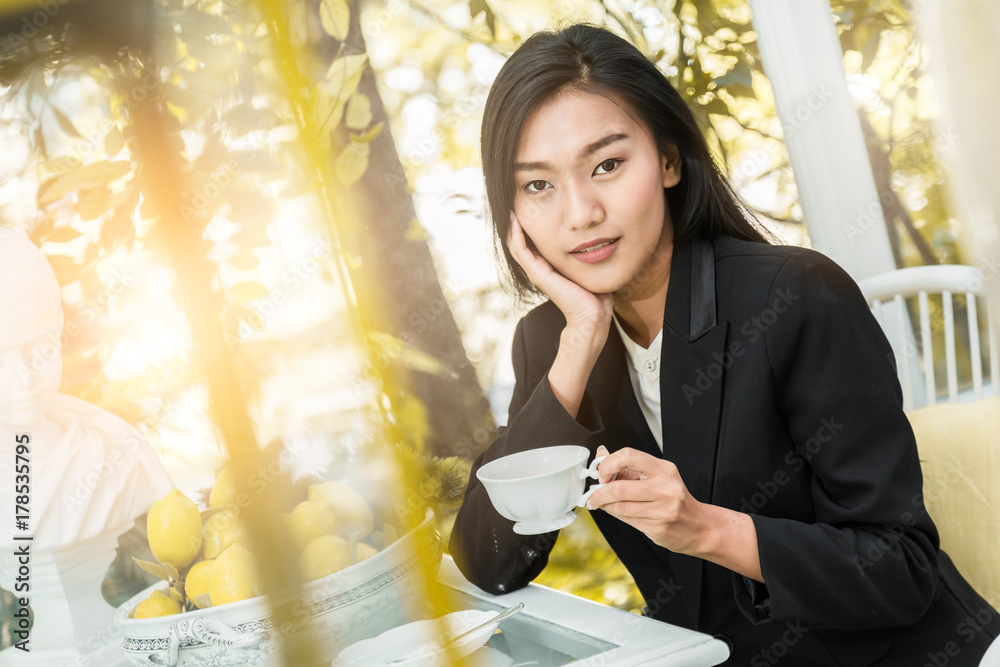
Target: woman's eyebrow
x,y
586,152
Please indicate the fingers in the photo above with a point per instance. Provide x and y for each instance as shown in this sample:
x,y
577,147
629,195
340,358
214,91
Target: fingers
x,y
535,266
623,491
517,242
630,463
605,476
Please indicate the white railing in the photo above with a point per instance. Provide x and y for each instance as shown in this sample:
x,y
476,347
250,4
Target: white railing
x,y
887,294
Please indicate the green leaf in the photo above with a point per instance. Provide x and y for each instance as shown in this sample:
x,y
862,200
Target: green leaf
x,y
97,173
66,124
114,141
868,37
408,356
192,103
171,571
352,162
63,235
341,82
120,229
476,6
359,112
60,165
42,230
335,16
717,106
151,568
204,601
248,291
95,203
368,136
345,68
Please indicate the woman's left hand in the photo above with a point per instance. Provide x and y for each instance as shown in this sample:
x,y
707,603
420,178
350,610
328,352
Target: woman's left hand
x,y
649,495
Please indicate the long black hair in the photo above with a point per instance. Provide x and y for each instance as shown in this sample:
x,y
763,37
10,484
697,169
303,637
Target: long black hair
x,y
588,58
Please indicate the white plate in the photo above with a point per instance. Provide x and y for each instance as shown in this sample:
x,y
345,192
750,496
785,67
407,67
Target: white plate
x,y
418,643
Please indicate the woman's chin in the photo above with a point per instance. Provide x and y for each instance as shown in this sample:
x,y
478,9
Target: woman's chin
x,y
600,286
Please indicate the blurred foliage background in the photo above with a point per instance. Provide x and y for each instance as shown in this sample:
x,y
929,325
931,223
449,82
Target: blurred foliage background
x,y
396,89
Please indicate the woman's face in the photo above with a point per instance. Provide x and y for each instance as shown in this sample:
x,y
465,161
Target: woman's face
x,y
590,190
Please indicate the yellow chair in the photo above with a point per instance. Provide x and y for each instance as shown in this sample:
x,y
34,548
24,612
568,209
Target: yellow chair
x,y
959,447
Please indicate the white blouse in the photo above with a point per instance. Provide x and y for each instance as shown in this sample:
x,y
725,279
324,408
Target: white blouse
x,y
644,369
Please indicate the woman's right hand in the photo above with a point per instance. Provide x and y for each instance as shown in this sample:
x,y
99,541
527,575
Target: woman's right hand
x,y
588,320
581,307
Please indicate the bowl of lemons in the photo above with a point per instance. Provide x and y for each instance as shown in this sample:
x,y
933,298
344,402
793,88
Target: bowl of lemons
x,y
361,579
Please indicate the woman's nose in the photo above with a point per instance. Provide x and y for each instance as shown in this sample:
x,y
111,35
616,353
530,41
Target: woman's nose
x,y
584,207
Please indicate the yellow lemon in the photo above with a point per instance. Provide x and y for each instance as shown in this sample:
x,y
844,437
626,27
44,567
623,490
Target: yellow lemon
x,y
157,605
363,551
234,576
352,511
224,489
325,555
310,519
174,529
198,579
221,531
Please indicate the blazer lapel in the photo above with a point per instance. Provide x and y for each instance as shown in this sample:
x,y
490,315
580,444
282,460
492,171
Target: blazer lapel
x,y
691,379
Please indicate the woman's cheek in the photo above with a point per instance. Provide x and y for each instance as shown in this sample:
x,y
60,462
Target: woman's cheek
x,y
530,211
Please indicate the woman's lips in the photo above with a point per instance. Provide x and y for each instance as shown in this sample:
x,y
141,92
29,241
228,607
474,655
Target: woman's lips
x,y
596,253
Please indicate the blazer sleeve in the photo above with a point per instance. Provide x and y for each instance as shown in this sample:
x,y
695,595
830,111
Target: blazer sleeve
x,y
870,558
484,545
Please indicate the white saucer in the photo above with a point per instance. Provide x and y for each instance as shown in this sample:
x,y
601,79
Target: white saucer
x,y
539,527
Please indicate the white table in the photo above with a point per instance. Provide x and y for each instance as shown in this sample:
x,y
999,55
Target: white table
x,y
556,628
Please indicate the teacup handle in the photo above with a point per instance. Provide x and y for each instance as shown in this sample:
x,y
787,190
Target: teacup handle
x,y
591,472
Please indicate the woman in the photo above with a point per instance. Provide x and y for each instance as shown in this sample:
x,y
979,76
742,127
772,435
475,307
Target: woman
x,y
766,486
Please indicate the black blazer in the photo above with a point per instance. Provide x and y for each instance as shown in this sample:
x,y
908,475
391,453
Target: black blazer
x,y
779,398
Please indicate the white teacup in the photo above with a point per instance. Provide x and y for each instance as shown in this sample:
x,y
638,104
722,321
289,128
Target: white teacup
x,y
539,488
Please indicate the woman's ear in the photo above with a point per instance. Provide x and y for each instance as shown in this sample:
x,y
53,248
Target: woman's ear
x,y
670,163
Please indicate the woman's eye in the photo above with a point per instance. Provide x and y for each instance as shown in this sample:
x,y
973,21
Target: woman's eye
x,y
613,161
527,186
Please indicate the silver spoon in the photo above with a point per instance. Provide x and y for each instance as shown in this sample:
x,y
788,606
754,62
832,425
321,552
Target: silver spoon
x,y
506,613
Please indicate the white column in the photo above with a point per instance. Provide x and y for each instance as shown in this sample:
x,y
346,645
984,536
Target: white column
x,y
803,60
962,39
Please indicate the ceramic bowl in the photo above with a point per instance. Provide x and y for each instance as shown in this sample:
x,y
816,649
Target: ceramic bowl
x,y
357,603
